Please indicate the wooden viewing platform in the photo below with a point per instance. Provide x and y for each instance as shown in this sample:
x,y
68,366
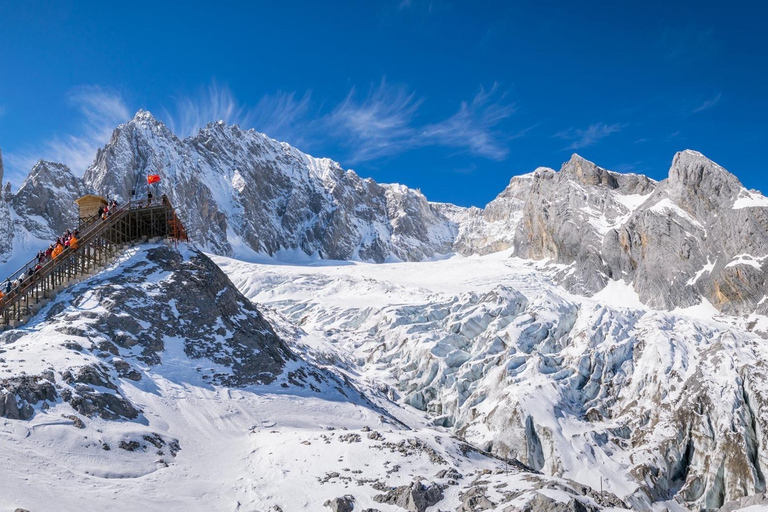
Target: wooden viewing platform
x,y
99,243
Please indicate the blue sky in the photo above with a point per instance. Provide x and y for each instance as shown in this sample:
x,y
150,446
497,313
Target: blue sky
x,y
453,98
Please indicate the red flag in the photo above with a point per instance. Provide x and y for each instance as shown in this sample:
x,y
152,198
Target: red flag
x,y
153,178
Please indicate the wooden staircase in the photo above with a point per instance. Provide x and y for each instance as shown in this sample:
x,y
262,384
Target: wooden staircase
x,y
100,242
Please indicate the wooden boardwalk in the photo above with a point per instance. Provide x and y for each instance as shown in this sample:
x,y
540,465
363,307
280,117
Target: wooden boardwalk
x,y
99,243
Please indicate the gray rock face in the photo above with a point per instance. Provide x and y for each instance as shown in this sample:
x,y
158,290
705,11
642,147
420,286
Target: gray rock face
x,y
700,234
48,192
492,229
22,392
239,190
567,214
343,504
415,497
543,503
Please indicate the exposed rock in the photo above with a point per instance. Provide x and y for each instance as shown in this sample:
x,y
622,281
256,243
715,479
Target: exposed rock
x,y
8,406
129,445
77,422
475,500
90,402
29,390
415,497
228,329
544,503
567,214
343,504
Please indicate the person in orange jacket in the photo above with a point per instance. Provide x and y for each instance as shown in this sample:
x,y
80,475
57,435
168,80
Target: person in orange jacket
x,y
73,242
57,250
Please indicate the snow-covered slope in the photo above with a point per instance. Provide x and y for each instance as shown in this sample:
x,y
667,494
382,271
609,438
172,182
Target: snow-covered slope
x,y
660,406
156,384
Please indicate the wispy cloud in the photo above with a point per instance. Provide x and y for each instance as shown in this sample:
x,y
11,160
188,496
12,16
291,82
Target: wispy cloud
x,y
582,138
379,124
711,102
283,116
384,123
473,126
213,103
99,110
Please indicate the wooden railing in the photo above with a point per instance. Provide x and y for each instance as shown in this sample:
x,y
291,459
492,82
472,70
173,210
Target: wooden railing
x,y
99,241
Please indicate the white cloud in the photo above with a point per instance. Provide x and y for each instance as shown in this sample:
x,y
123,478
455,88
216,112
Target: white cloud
x,y
284,117
100,111
472,127
378,125
581,138
707,104
384,123
214,103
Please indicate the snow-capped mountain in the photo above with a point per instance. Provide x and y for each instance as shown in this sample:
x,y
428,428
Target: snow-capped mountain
x,y
241,192
42,209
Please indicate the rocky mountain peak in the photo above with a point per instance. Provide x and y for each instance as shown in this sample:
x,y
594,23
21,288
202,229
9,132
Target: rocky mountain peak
x,y
145,116
48,171
147,124
693,174
587,173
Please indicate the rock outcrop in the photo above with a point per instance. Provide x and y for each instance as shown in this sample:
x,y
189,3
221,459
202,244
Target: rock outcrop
x,y
169,296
